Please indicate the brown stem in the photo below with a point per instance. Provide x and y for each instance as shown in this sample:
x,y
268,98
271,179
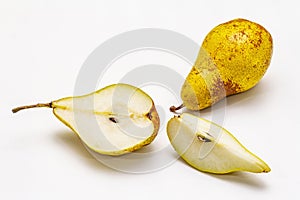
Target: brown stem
x,y
48,105
174,108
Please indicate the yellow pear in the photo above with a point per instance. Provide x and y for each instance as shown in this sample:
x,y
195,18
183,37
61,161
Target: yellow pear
x,y
233,57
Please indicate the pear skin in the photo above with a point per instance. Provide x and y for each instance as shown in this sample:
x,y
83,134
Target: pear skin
x,y
233,58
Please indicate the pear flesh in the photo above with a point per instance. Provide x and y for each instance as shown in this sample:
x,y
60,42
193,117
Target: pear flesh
x,y
209,147
115,120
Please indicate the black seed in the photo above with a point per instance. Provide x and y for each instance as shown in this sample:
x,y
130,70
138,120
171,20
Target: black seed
x,y
203,139
114,120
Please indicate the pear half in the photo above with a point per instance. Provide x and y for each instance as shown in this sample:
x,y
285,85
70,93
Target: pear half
x,y
210,148
115,120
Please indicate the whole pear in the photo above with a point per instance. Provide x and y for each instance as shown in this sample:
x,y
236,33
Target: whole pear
x,y
233,57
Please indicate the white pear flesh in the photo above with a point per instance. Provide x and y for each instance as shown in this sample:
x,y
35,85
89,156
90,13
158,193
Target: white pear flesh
x,y
208,147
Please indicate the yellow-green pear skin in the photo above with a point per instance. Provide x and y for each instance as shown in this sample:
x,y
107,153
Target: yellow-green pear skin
x,y
233,58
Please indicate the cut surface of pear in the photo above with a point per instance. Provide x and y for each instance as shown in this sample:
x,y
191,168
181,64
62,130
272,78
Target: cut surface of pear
x,y
210,148
117,119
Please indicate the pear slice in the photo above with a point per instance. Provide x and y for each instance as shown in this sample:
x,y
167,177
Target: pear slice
x,y
210,148
117,119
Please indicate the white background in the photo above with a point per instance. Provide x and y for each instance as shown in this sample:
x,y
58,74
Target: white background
x,y
43,45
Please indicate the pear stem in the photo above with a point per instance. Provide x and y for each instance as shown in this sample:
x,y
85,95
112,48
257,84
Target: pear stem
x,y
39,105
173,109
